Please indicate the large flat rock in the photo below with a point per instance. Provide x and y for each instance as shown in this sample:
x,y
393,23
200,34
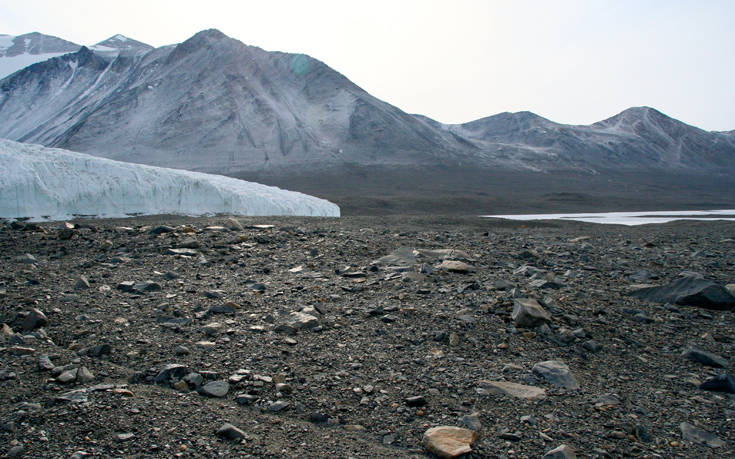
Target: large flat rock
x,y
689,291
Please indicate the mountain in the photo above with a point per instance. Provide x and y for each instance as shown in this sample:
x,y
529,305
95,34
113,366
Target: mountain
x,y
214,104
17,52
53,184
248,109
120,44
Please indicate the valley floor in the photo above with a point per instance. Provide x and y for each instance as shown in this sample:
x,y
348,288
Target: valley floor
x,y
299,335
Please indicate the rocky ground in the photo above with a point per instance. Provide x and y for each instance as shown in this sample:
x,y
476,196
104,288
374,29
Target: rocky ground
x,y
353,337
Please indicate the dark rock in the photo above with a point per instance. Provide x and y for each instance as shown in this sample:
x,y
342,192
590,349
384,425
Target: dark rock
x,y
170,373
16,451
221,309
35,319
641,433
471,421
318,418
65,234
689,291
278,406
44,363
147,286
126,286
181,350
230,432
528,313
416,401
705,358
511,436
246,399
99,350
720,383
214,294
161,229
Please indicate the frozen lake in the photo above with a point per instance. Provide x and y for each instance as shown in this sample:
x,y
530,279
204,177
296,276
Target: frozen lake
x,y
630,218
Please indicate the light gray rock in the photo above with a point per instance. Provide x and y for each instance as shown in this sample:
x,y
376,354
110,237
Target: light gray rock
x,y
561,452
455,266
82,283
26,259
694,434
556,373
215,389
84,375
515,390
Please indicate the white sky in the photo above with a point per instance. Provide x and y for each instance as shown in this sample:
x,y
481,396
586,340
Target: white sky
x,y
572,61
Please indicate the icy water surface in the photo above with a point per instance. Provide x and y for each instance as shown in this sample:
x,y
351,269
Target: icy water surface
x,y
630,218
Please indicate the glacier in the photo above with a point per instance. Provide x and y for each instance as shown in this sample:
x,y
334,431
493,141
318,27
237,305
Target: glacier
x,y
52,184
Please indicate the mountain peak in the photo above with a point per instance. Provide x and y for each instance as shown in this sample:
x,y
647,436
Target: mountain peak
x,y
34,43
205,38
120,43
212,34
634,115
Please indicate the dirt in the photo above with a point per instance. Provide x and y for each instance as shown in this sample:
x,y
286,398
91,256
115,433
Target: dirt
x,y
376,353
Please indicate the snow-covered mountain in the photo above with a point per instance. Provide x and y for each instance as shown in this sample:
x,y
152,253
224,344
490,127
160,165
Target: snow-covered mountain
x,y
214,104
17,52
54,184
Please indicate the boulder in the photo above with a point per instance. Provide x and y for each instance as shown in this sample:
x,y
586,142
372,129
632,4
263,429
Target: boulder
x,y
689,291
456,266
35,319
528,313
448,441
514,390
230,432
557,373
694,434
704,357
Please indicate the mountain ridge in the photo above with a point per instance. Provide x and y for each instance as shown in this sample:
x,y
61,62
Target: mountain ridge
x,y
214,104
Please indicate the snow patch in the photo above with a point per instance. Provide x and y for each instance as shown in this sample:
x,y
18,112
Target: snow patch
x,y
54,184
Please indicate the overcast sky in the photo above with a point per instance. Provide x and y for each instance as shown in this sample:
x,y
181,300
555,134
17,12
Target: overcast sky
x,y
572,61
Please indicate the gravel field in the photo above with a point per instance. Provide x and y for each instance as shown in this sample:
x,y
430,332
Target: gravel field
x,y
352,337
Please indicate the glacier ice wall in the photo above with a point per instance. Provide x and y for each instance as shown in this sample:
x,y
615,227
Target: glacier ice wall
x,y
53,184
